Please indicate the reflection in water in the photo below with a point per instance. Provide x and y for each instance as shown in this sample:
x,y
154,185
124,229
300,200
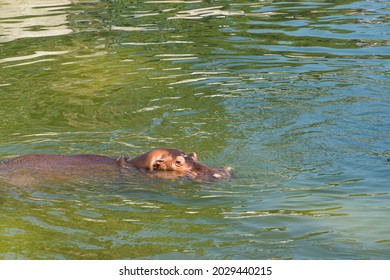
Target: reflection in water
x,y
293,95
30,19
205,12
38,54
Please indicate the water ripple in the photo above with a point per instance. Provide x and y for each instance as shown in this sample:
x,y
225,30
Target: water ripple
x,y
284,212
293,95
29,20
205,12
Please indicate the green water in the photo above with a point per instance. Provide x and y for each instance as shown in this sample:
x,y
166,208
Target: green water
x,y
294,96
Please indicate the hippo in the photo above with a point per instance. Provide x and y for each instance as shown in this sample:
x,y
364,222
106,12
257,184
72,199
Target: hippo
x,y
159,163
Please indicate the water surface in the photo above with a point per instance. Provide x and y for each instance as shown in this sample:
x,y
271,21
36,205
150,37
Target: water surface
x,y
293,95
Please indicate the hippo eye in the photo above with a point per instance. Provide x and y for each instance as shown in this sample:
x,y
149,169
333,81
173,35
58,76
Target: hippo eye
x,y
179,161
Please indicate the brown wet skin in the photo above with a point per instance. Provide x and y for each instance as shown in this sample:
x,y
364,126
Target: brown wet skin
x,y
161,163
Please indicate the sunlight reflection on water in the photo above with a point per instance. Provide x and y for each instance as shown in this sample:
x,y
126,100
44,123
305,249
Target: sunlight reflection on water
x,y
292,95
31,19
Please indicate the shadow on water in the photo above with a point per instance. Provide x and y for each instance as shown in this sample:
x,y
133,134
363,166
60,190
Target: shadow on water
x,y
292,95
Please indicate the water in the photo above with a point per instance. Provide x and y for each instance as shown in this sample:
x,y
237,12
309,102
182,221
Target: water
x,y
292,95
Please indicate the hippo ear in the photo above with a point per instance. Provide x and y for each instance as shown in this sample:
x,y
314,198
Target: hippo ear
x,y
156,163
121,161
193,156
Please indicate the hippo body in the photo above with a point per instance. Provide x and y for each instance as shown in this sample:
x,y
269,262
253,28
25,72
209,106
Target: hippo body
x,y
160,163
33,169
55,162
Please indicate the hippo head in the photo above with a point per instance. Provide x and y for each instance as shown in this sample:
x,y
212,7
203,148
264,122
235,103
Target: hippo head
x,y
179,163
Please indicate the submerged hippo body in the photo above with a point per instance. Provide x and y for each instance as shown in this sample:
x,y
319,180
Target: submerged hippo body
x,y
160,163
